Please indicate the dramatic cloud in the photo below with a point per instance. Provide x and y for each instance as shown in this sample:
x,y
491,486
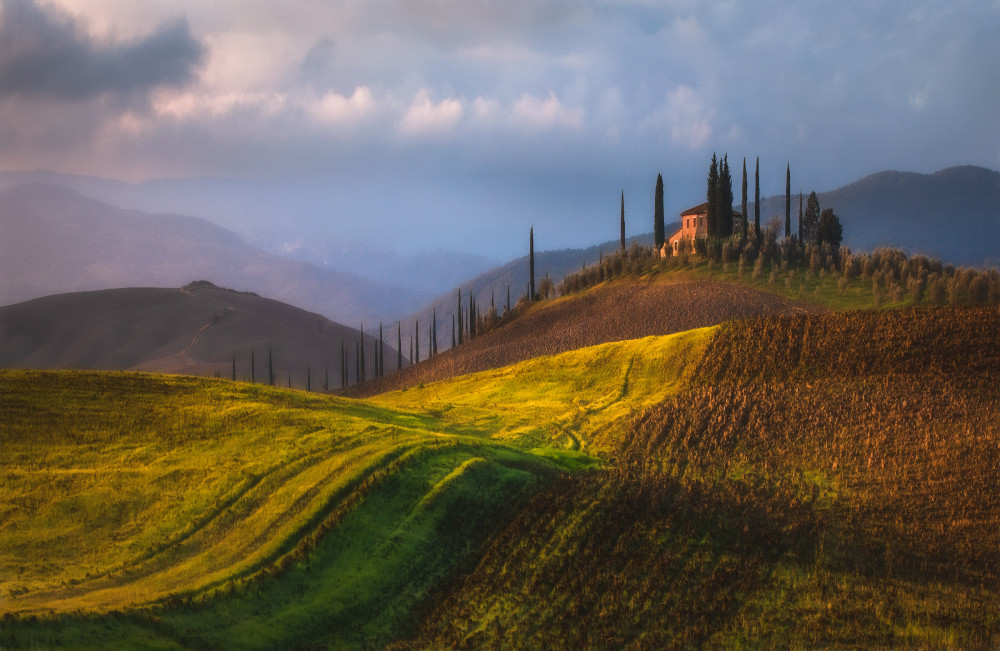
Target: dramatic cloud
x,y
529,111
45,53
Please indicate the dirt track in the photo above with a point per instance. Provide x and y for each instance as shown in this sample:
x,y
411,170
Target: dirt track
x,y
613,313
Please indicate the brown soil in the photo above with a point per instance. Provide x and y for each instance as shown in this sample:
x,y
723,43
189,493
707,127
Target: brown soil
x,y
611,313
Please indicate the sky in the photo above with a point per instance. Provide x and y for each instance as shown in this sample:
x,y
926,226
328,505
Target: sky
x,y
457,124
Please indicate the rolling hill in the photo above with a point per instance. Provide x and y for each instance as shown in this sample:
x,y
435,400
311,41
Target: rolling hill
x,y
953,214
199,329
798,480
55,240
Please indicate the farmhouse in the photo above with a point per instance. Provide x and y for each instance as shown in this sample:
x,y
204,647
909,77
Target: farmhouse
x,y
694,225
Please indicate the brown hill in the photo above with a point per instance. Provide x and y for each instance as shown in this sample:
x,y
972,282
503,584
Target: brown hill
x,y
614,312
199,329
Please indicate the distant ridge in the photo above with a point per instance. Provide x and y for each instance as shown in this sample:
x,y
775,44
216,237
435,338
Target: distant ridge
x,y
952,214
55,240
195,330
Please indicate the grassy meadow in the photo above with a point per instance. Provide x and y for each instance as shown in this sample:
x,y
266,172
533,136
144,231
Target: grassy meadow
x,y
816,480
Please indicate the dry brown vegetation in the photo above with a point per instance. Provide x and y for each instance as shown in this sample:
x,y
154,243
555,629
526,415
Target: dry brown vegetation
x,y
825,480
614,312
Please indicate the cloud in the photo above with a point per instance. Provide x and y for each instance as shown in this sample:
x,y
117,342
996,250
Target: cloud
x,y
336,109
425,117
45,53
549,112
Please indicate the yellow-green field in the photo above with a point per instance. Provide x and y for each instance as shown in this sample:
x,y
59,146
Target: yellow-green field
x,y
124,490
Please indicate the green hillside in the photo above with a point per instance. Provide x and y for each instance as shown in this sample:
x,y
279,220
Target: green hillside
x,y
811,480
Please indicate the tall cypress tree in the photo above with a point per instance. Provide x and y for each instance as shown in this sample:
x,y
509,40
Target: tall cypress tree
x,y
809,230
725,199
460,322
531,264
658,234
756,199
743,202
270,368
788,201
623,220
712,198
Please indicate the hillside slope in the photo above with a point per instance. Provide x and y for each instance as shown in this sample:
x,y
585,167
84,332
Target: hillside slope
x,y
54,240
199,329
822,481
612,312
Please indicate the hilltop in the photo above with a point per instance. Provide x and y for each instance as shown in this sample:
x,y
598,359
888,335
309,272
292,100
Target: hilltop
x,y
199,329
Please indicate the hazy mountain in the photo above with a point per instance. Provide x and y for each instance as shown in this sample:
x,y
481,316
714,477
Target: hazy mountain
x,y
55,240
953,214
273,221
196,330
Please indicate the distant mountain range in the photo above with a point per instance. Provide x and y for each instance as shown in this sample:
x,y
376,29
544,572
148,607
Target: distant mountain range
x,y
953,214
55,240
199,329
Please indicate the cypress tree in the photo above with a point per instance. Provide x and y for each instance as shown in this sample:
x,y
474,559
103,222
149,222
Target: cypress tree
x,y
725,199
788,201
743,202
460,322
809,231
531,264
756,199
623,221
712,198
434,333
658,234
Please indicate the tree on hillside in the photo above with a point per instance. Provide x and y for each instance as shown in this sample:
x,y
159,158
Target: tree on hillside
x,y
658,234
808,229
756,199
712,198
743,202
531,264
829,230
788,201
623,220
724,196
